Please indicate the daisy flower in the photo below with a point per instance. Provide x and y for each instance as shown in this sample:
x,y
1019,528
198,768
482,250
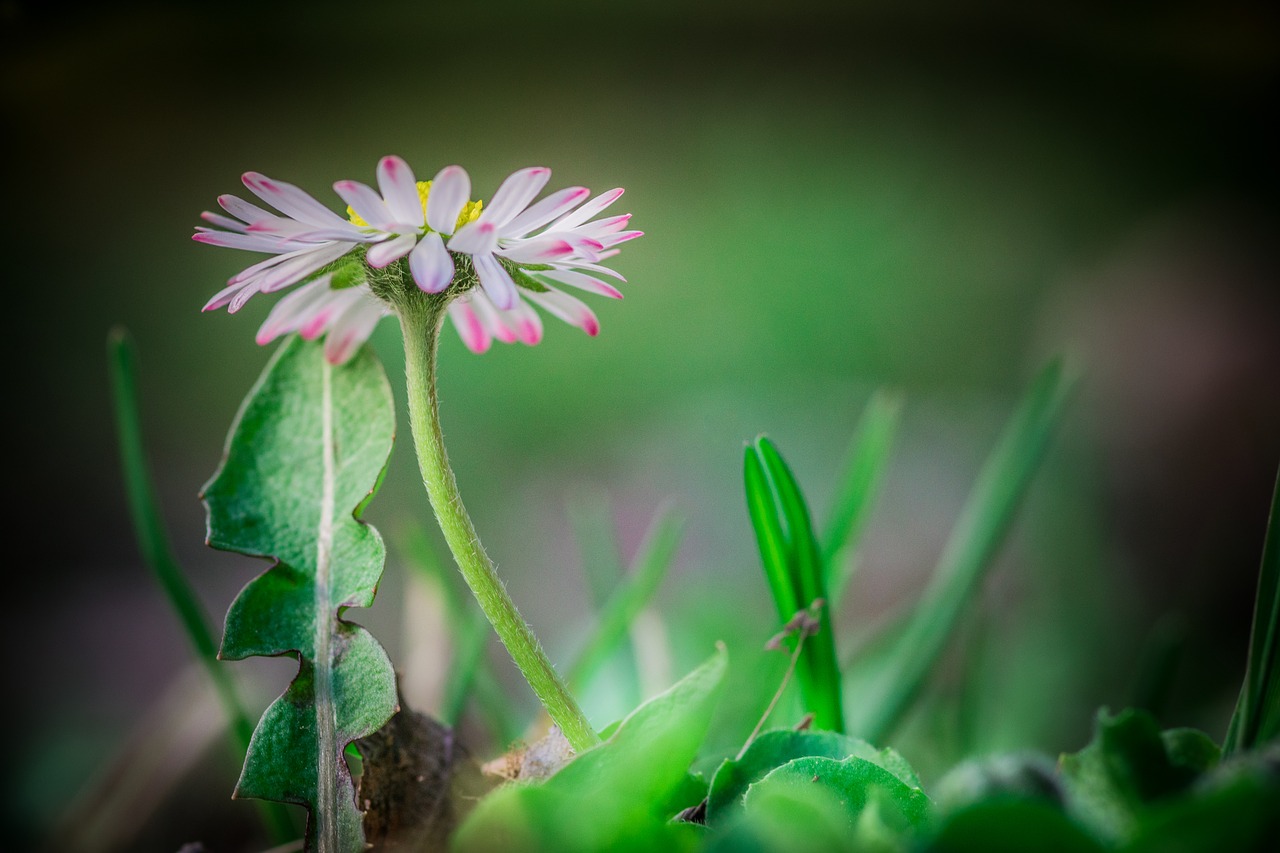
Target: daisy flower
x,y
521,252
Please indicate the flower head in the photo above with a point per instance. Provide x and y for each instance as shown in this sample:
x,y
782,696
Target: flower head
x,y
518,254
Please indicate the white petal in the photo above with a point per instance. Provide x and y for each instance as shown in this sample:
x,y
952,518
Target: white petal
x,y
365,202
290,200
527,322
515,194
430,263
224,222
350,330
582,282
470,329
538,251
556,204
296,270
222,297
244,242
400,190
381,254
588,210
573,311
474,238
496,281
450,191
291,311
493,319
242,296
241,209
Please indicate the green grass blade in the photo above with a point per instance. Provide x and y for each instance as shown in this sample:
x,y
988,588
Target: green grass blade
x,y
819,672
469,672
1257,715
636,590
860,483
157,553
774,550
985,519
592,521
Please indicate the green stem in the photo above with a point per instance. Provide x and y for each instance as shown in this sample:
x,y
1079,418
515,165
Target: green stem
x,y
420,320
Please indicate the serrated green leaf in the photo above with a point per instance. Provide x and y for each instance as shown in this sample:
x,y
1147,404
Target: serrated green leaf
x,y
306,453
859,486
878,810
970,550
789,553
620,795
1127,767
774,748
1256,719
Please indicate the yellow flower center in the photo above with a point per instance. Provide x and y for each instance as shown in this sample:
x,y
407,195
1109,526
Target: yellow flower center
x,y
470,210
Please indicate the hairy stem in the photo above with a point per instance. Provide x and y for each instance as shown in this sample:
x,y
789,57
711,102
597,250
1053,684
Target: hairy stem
x,y
420,320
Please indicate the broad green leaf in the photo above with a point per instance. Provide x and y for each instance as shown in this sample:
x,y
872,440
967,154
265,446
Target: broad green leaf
x,y
775,748
877,810
1128,766
1006,824
153,541
629,598
1257,716
784,533
969,552
306,453
859,486
620,795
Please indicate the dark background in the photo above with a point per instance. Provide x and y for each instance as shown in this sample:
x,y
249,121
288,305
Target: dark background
x,y
837,198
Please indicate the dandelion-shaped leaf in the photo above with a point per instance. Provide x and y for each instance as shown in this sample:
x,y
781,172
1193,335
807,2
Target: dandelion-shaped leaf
x,y
305,455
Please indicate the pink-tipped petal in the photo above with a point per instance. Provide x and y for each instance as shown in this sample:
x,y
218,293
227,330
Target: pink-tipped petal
x,y
515,194
242,296
224,222
400,190
292,310
588,210
430,263
568,308
351,328
388,251
556,204
243,210
450,191
222,297
292,201
365,202
537,251
475,238
470,329
244,242
582,282
294,271
528,324
496,281
493,320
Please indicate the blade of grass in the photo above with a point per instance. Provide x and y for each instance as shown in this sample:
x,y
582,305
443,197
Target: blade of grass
x,y
592,522
157,553
860,483
630,597
1256,719
819,673
774,551
974,540
469,673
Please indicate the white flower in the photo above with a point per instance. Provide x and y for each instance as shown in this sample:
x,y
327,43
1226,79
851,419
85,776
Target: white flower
x,y
551,243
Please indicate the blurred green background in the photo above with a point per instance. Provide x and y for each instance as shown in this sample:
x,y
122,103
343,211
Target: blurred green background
x,y
837,197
